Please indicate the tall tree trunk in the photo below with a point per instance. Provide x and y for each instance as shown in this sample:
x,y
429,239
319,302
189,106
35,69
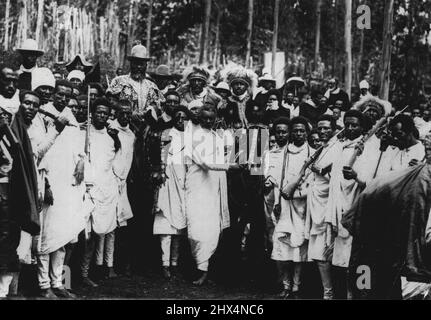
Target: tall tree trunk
x,y
130,23
203,57
39,23
317,45
275,35
149,22
217,39
249,31
360,57
6,26
385,63
334,47
348,46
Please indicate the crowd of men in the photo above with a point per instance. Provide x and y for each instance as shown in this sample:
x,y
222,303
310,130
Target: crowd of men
x,y
236,179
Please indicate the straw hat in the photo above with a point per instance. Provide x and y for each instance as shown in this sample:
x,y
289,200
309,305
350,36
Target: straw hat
x,y
30,45
139,52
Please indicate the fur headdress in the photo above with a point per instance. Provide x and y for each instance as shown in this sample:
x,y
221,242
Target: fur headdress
x,y
385,107
196,72
239,73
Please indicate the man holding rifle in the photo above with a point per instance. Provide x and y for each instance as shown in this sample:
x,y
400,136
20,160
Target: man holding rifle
x,y
289,243
318,231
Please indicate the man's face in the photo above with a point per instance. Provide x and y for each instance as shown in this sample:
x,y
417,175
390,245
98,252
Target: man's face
x,y
364,91
195,115
426,115
138,69
207,119
100,116
61,97
76,81
119,71
324,130
315,141
94,93
272,142
29,106
323,101
80,111
124,113
45,93
179,119
295,101
223,93
289,98
352,127
281,134
399,137
8,82
28,59
239,88
338,104
416,112
73,103
332,84
172,101
197,85
267,85
299,134
336,113
373,114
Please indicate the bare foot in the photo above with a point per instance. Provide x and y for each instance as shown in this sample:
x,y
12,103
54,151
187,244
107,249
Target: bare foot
x,y
284,294
166,273
202,279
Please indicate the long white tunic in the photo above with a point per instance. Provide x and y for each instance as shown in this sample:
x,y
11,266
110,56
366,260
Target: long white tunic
x,y
100,174
64,220
318,230
121,167
342,194
289,243
206,204
170,217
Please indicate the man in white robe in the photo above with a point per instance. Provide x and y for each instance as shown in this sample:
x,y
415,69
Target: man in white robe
x,y
62,221
273,160
122,165
170,219
289,243
404,148
102,186
206,205
317,229
345,186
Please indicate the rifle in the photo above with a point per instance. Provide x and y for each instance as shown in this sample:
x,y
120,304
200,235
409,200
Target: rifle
x,y
290,191
380,125
87,133
50,115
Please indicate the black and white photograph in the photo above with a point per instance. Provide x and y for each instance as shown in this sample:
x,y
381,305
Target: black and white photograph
x,y
215,155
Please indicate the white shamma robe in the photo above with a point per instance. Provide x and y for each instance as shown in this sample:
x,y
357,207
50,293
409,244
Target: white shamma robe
x,y
289,243
318,231
342,194
64,220
121,167
100,174
170,218
207,210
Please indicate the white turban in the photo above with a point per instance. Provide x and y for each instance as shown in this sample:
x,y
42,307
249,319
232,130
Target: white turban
x,y
76,74
42,77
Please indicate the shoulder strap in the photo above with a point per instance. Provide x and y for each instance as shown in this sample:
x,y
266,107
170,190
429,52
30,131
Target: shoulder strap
x,y
283,171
